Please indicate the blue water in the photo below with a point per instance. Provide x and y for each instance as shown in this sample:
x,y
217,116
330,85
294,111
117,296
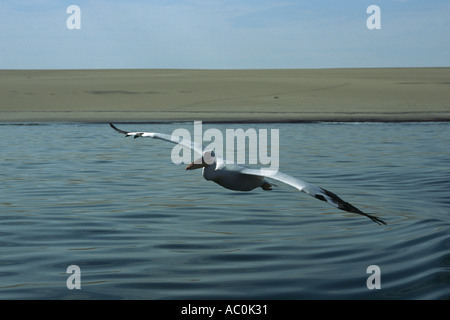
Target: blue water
x,y
140,227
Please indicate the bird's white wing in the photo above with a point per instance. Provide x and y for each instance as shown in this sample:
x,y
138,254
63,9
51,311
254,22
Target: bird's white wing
x,y
310,189
155,135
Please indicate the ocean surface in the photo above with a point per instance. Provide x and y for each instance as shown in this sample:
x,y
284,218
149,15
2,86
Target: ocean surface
x,y
140,227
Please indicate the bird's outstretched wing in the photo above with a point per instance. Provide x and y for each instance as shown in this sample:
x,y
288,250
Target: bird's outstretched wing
x,y
312,190
155,135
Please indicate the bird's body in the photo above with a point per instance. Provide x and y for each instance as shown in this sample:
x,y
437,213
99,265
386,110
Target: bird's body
x,y
230,176
240,178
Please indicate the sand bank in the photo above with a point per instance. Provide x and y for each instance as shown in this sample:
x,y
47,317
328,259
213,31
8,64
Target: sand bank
x,y
405,94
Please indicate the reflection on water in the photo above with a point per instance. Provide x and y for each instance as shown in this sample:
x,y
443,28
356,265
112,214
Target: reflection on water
x,y
140,227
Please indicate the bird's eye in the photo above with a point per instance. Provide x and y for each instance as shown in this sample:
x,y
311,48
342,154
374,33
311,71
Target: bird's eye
x,y
213,154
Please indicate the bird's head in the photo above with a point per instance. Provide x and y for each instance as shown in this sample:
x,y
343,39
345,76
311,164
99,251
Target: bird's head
x,y
208,158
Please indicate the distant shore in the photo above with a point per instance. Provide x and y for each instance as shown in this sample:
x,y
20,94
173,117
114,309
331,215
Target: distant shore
x,y
273,95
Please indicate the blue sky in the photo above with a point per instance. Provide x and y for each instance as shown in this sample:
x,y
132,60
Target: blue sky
x,y
212,34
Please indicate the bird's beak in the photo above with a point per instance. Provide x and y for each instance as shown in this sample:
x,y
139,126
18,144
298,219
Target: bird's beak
x,y
197,164
193,166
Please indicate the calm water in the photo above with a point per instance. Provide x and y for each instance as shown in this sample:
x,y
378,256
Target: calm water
x,y
140,227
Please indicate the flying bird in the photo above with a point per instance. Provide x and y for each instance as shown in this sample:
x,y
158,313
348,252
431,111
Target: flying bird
x,y
240,178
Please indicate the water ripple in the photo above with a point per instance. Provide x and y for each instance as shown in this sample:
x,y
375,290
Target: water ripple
x,y
71,199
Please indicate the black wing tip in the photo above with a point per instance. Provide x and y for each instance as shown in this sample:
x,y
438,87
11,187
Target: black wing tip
x,y
117,129
114,127
348,207
376,219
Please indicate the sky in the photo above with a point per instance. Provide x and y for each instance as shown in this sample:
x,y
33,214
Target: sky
x,y
233,34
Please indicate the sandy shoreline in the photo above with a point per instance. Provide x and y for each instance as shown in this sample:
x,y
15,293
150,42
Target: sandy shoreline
x,y
404,94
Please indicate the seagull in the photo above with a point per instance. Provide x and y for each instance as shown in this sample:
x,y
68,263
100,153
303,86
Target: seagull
x,y
239,178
